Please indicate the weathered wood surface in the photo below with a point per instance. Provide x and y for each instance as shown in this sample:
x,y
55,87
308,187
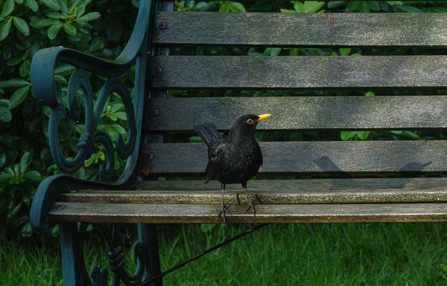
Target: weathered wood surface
x,y
300,113
301,72
320,191
304,213
323,157
302,29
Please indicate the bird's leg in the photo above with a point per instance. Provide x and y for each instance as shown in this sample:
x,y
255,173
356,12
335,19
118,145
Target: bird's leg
x,y
223,210
250,203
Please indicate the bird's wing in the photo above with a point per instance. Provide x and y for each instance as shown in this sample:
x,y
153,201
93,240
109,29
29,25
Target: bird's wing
x,y
215,157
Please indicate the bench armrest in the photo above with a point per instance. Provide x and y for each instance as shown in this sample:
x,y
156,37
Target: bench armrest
x,y
49,93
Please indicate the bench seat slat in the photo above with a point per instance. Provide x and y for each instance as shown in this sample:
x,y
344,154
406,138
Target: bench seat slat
x,y
303,30
312,157
301,113
297,213
301,72
390,190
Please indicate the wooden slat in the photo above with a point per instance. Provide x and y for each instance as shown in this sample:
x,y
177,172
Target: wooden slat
x,y
316,191
301,72
303,29
298,113
324,157
311,213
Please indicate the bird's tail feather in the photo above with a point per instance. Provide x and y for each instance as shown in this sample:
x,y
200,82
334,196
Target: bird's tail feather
x,y
208,132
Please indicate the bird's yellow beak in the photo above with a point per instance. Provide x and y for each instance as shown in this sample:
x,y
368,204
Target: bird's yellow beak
x,y
263,116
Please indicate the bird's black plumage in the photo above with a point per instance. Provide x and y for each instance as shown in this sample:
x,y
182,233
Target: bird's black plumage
x,y
235,159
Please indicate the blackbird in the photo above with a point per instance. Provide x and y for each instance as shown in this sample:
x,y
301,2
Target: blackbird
x,y
235,159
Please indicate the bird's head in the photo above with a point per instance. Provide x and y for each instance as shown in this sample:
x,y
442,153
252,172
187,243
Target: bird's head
x,y
247,123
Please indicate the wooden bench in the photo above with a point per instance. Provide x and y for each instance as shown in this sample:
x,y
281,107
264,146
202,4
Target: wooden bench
x,y
333,181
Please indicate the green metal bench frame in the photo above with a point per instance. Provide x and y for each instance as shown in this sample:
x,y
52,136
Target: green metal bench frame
x,y
340,198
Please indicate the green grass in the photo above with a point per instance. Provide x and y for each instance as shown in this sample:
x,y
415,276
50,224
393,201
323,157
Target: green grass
x,y
289,254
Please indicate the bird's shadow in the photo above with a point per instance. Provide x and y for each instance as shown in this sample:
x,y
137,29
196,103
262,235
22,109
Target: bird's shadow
x,y
331,169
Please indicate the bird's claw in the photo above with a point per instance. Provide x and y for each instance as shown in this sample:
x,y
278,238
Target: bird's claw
x,y
251,205
222,212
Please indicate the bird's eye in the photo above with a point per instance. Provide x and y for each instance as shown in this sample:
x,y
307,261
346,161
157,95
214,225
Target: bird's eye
x,y
250,121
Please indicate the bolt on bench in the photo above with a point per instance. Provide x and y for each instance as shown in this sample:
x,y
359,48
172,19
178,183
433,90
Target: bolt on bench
x,y
347,182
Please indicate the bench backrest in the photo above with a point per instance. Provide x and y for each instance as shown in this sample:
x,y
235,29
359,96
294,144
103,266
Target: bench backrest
x,y
335,103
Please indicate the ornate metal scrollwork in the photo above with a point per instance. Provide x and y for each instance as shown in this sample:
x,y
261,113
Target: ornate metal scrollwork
x,y
116,243
92,135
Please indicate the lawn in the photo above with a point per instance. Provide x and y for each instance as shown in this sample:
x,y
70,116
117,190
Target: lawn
x,y
288,254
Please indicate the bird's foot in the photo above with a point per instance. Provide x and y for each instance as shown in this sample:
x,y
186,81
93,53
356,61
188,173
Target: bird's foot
x,y
222,214
251,205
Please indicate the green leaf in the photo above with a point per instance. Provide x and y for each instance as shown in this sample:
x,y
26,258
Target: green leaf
x,y
56,15
411,134
121,115
41,23
225,7
64,69
346,135
364,7
90,16
287,11
8,8
19,1
195,139
299,7
70,29
14,61
312,6
18,96
52,4
363,134
5,114
374,5
14,83
335,4
32,4
27,231
24,68
237,7
395,3
32,175
5,176
12,213
21,25
26,159
353,6
60,79
344,51
294,52
409,9
53,30
396,132
4,29
2,156
118,128
98,43
369,93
